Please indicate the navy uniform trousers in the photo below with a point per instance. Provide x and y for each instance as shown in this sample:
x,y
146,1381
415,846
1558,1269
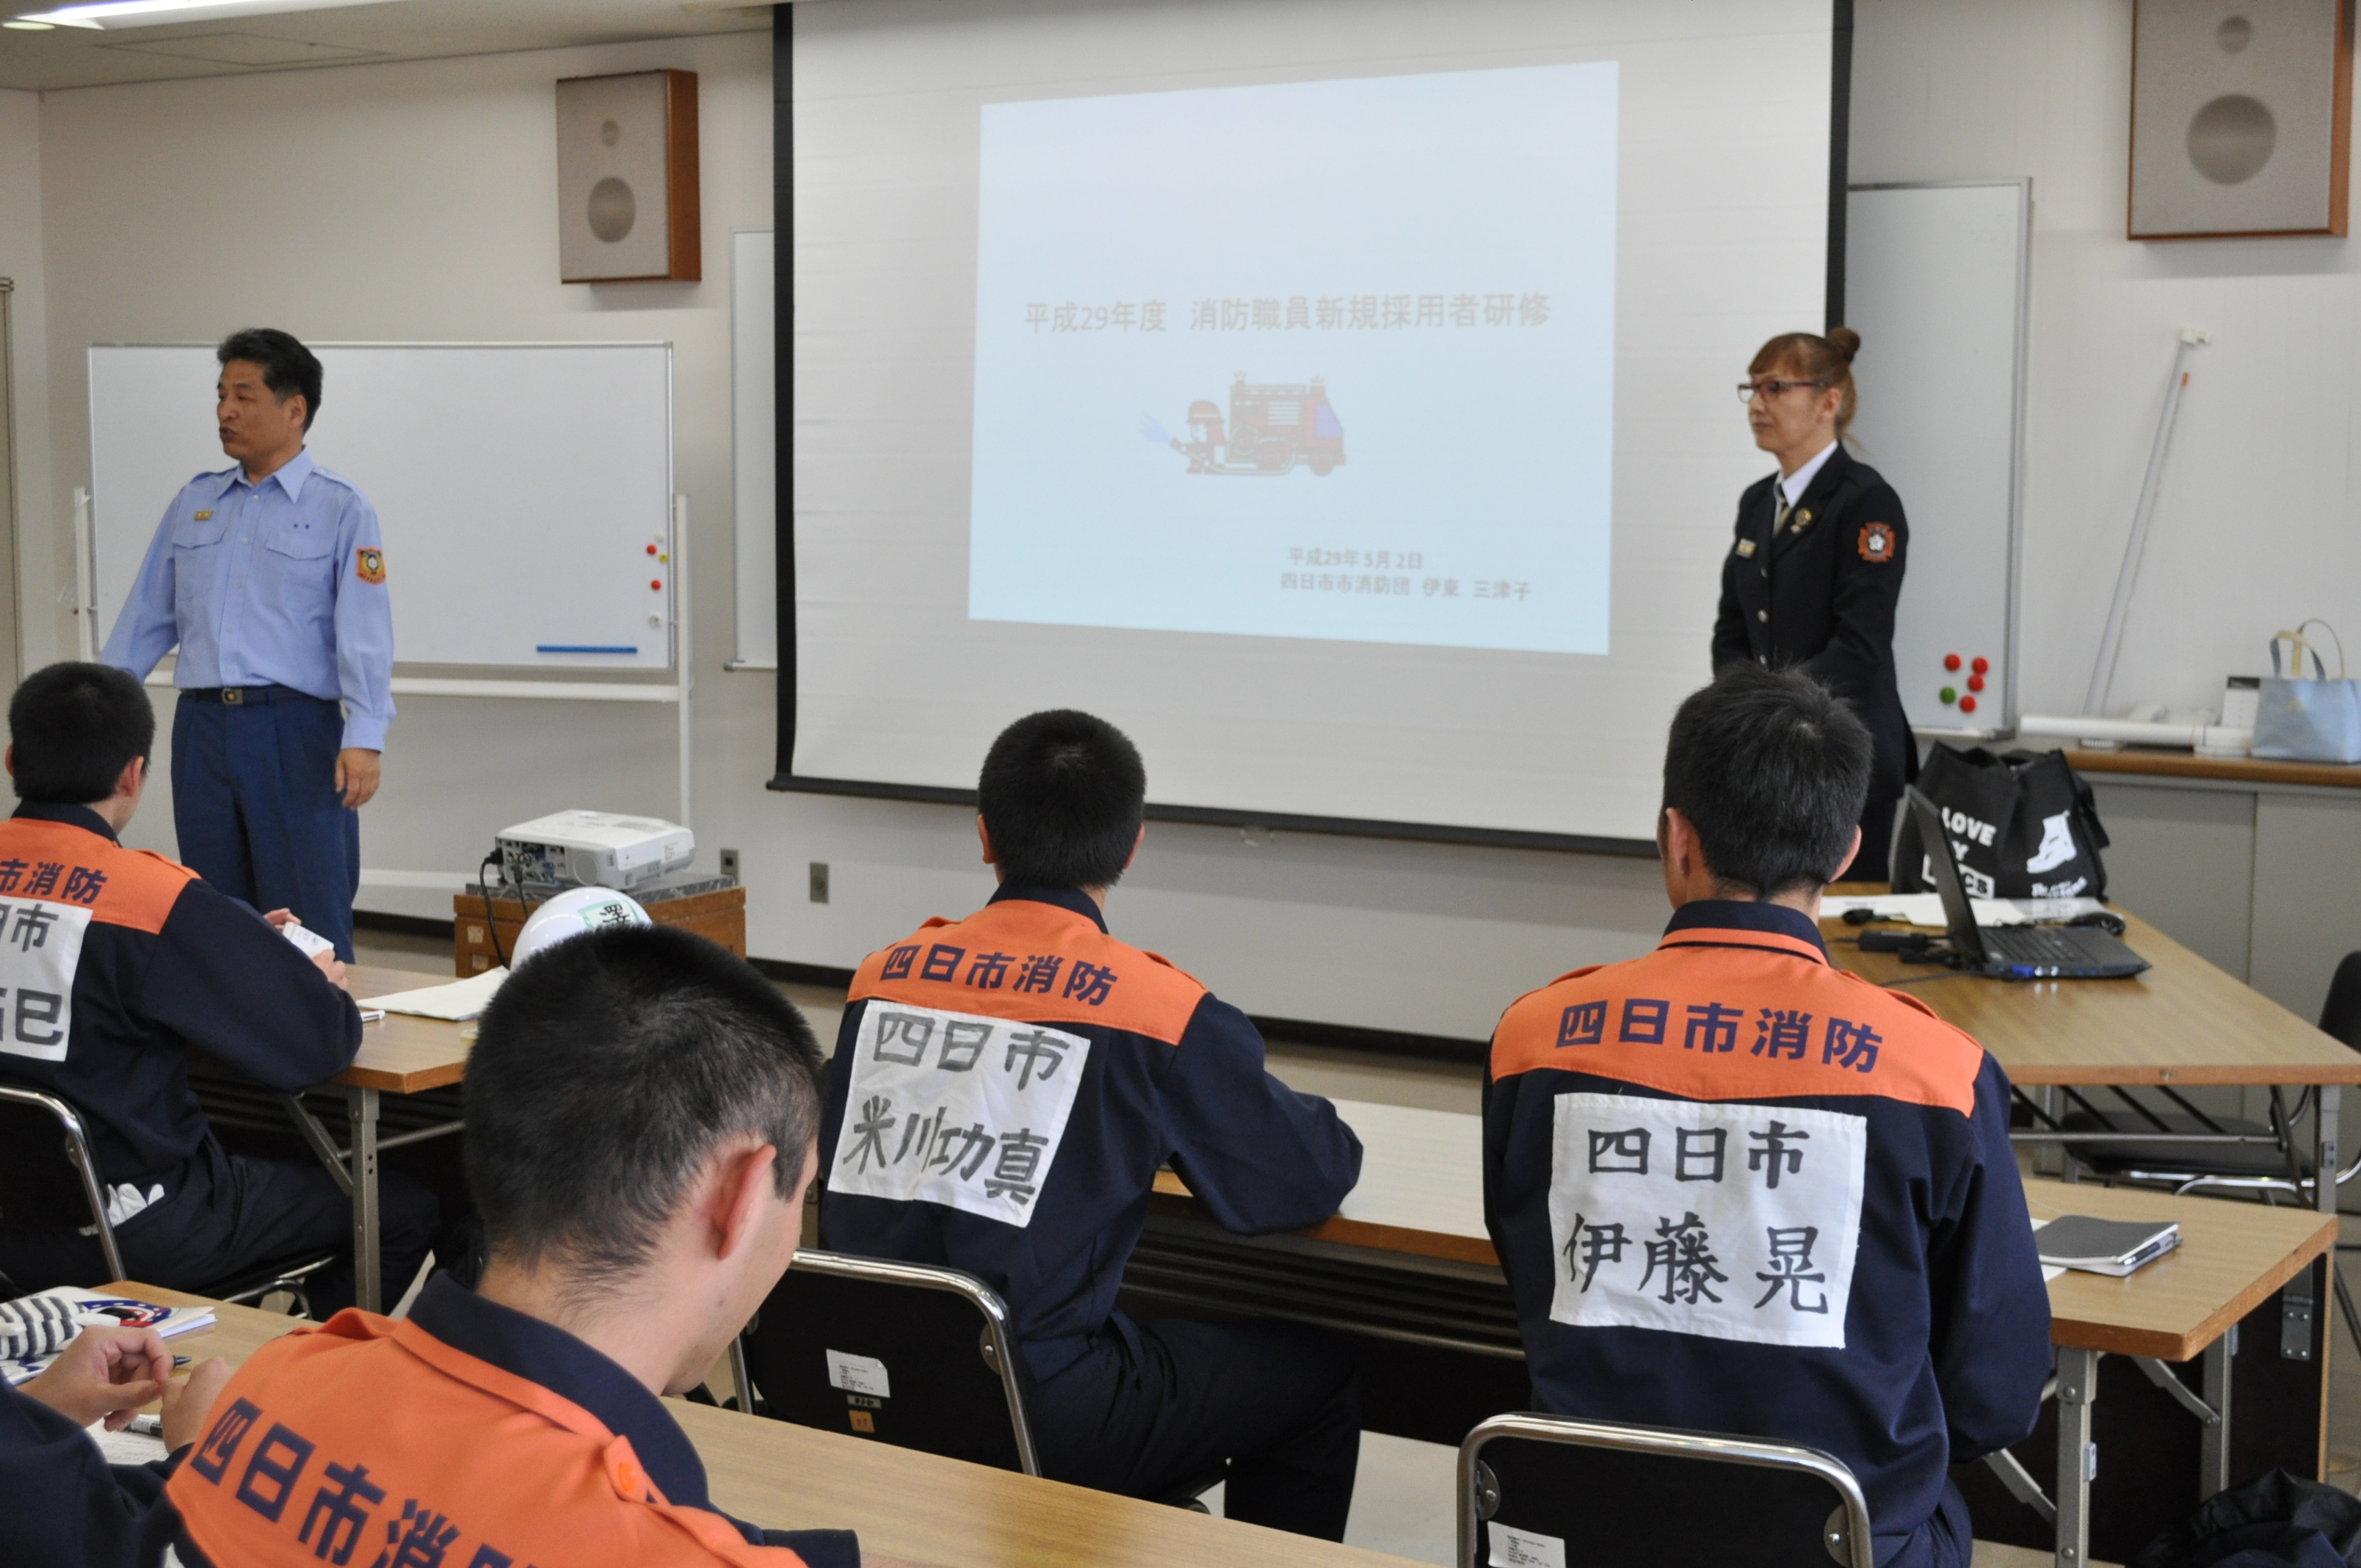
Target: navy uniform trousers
x,y
225,1216
256,806
1151,1408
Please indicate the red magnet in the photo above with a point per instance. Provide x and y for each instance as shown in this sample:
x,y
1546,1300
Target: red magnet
x,y
1967,704
1980,665
657,585
1975,683
1950,661
652,549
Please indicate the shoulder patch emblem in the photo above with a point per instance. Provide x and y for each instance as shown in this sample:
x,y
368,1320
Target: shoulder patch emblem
x,y
370,565
1876,542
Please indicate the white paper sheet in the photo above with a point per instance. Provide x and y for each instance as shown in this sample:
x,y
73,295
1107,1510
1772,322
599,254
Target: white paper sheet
x,y
457,1001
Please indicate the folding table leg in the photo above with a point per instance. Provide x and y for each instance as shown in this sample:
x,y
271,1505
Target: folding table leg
x,y
2324,1129
2213,1438
2078,1456
367,1291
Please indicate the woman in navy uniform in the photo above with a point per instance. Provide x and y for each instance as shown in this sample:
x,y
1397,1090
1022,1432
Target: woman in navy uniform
x,y
1815,568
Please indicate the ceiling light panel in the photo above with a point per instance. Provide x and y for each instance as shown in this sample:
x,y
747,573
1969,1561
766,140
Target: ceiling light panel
x,y
109,14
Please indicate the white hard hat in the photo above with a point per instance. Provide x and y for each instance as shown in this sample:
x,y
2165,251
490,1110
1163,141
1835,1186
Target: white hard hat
x,y
571,913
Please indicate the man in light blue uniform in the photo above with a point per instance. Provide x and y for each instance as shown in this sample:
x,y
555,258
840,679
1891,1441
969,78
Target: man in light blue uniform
x,y
270,576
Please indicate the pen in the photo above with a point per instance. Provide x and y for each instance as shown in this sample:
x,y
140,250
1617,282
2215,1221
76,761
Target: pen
x,y
372,1015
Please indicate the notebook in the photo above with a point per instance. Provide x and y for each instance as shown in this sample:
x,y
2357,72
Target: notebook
x,y
33,1329
2104,1246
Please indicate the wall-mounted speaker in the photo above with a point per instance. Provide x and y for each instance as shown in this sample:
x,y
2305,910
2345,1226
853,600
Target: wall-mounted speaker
x,y
627,208
2241,117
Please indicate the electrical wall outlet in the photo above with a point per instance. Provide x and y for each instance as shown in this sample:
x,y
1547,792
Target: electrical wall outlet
x,y
730,862
819,882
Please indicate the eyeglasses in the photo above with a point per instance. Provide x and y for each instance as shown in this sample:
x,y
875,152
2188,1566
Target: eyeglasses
x,y
1772,389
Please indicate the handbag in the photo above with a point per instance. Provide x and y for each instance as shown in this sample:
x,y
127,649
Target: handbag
x,y
2318,721
2024,825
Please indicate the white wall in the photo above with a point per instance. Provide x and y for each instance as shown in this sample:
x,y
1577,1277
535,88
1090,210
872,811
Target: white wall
x,y
21,261
417,201
2256,527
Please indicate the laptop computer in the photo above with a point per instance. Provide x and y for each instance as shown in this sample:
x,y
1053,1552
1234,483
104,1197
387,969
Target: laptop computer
x,y
2013,952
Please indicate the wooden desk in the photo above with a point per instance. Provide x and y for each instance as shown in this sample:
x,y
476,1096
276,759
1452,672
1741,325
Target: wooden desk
x,y
924,1508
2233,1258
2188,765
1421,1192
2182,1022
236,1332
1419,1206
398,1055
912,1506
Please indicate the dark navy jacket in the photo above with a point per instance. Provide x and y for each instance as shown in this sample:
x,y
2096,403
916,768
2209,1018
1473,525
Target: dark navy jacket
x,y
1737,1189
1823,595
61,1504
166,963
1172,1073
402,1419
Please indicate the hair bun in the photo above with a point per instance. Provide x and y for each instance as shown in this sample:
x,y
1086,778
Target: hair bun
x,y
1845,341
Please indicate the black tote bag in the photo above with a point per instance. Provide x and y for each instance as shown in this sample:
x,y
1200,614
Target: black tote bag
x,y
2023,825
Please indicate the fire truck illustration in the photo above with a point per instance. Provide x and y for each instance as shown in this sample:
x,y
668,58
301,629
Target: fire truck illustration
x,y
1271,430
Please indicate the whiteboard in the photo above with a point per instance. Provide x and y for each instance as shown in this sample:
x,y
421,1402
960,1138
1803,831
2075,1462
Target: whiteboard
x,y
525,489
754,430
1935,284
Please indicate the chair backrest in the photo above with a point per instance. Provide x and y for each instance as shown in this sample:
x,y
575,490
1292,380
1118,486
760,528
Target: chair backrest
x,y
914,1356
1655,1497
48,1179
2340,1015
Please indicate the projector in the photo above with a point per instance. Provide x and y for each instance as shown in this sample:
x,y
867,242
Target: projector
x,y
596,848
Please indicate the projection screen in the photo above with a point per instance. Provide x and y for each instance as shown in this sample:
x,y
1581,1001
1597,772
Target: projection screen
x,y
1336,395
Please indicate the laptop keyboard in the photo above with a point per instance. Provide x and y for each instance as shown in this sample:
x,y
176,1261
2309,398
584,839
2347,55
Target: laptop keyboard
x,y
2035,945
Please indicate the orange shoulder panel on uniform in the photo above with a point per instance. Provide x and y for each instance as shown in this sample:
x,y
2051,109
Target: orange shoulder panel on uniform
x,y
1755,1020
366,1429
65,864
1038,963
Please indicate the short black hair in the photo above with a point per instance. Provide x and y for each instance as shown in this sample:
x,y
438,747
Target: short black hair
x,y
606,1070
287,368
1062,794
74,727
1771,768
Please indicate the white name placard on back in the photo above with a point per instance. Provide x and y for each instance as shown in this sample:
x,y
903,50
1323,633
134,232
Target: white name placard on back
x,y
40,948
957,1108
1730,1220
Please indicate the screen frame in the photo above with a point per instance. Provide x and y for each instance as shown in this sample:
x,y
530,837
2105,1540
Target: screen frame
x,y
785,780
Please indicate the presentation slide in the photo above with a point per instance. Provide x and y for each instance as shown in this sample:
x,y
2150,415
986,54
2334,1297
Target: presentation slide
x,y
1334,396
1329,359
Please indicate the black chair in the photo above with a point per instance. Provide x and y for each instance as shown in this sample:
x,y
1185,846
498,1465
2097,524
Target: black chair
x,y
1638,1497
910,1355
50,1181
2265,1169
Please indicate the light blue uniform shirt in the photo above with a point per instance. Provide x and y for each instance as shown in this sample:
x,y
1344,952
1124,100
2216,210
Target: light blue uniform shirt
x,y
276,583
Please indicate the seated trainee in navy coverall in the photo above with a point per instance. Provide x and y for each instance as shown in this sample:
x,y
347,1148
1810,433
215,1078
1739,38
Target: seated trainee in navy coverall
x,y
1004,1090
64,1505
1737,1189
116,964
640,1128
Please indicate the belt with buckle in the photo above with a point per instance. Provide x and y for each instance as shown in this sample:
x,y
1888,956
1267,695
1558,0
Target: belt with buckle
x,y
239,696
